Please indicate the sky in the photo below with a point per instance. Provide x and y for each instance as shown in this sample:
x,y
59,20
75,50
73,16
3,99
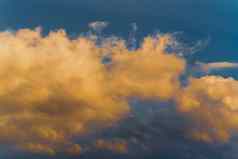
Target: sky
x,y
118,79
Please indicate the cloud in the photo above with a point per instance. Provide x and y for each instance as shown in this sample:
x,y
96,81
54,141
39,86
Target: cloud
x,y
116,145
206,67
54,89
98,26
75,149
147,72
210,103
39,148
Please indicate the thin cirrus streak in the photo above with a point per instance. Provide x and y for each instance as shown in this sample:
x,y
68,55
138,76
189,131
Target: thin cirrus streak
x,y
54,89
217,65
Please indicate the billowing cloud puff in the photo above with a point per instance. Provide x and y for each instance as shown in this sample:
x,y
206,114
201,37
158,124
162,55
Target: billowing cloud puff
x,y
211,105
147,72
54,89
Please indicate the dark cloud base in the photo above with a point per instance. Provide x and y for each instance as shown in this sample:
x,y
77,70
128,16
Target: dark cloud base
x,y
154,131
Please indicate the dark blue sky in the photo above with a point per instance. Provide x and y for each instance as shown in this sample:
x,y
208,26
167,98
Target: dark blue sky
x,y
204,19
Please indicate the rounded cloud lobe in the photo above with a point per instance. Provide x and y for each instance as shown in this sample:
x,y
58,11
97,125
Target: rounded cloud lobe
x,y
210,103
55,89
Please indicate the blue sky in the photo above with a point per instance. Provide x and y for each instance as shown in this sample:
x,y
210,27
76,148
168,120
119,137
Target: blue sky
x,y
213,22
198,20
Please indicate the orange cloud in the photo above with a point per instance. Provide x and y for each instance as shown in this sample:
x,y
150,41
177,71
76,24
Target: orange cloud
x,y
210,103
39,148
148,72
54,89
118,146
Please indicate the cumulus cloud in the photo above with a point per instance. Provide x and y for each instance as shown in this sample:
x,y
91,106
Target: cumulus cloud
x,y
210,103
54,89
147,72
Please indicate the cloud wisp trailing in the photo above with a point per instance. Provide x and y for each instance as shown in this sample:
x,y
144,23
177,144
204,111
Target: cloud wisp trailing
x,y
207,67
98,26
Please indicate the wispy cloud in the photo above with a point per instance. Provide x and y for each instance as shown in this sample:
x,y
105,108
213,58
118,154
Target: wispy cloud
x,y
98,26
217,66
